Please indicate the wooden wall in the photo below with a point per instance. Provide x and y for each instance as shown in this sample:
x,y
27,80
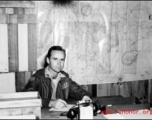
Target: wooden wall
x,y
139,89
18,44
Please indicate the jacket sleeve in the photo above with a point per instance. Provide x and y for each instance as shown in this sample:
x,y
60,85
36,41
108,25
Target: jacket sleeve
x,y
45,103
33,86
76,91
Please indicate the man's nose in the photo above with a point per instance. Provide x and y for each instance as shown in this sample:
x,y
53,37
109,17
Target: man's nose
x,y
59,63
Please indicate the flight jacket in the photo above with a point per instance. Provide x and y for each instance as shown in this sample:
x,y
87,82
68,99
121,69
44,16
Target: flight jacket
x,y
39,82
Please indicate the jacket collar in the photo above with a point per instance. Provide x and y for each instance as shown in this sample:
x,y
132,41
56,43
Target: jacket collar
x,y
48,75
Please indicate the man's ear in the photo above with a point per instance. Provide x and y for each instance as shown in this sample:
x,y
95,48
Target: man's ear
x,y
47,60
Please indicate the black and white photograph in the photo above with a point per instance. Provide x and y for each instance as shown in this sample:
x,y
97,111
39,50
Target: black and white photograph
x,y
73,60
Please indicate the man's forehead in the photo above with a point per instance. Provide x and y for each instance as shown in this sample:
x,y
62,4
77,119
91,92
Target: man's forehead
x,y
57,52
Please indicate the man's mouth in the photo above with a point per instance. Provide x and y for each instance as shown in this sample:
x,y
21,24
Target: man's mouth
x,y
58,67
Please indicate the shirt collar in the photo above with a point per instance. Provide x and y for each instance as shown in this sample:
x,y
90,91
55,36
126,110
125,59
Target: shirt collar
x,y
48,75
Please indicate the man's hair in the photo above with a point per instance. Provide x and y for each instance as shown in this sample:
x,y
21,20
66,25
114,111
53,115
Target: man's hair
x,y
58,48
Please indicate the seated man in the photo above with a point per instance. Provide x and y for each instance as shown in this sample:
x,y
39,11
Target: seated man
x,y
53,84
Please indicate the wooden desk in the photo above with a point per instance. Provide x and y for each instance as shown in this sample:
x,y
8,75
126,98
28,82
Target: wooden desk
x,y
46,114
106,100
114,100
20,103
128,107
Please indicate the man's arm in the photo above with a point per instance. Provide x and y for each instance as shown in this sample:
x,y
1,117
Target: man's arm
x,y
33,86
58,103
77,92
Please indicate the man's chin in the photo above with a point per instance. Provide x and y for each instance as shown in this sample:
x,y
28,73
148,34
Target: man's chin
x,y
57,71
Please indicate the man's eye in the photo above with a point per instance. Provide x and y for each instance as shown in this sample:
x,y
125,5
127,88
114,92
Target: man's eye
x,y
62,59
54,58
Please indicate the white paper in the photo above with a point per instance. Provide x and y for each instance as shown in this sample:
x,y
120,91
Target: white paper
x,y
114,116
63,109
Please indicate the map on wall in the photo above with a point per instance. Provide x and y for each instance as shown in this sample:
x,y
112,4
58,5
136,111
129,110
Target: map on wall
x,y
105,41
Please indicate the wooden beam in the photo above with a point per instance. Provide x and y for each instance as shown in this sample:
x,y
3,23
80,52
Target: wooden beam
x,y
20,103
24,4
94,90
125,89
2,10
4,48
114,100
102,90
19,117
3,18
13,47
7,83
18,18
19,95
12,18
131,107
21,111
22,79
23,47
31,18
20,10
30,11
150,91
9,10
32,46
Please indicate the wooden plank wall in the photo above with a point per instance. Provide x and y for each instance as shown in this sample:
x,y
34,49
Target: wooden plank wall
x,y
4,48
139,89
18,44
7,80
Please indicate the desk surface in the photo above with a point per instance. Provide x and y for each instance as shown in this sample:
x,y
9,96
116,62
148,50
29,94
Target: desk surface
x,y
140,108
46,114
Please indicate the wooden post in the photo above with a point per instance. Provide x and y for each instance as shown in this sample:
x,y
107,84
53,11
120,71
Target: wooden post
x,y
23,47
149,91
13,49
3,48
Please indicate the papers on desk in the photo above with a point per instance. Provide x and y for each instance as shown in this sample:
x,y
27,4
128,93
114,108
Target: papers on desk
x,y
114,116
63,109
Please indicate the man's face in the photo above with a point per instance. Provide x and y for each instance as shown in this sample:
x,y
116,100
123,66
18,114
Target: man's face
x,y
56,61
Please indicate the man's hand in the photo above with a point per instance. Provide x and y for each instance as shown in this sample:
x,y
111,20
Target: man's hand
x,y
58,104
86,98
